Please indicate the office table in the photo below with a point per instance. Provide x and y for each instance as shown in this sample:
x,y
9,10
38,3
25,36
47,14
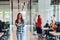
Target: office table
x,y
1,33
45,28
56,34
4,29
45,31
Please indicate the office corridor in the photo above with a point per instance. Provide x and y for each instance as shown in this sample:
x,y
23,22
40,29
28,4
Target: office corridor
x,y
27,34
48,10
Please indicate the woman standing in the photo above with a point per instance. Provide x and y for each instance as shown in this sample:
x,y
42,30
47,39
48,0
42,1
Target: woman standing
x,y
39,25
19,24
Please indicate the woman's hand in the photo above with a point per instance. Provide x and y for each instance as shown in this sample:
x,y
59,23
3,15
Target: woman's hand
x,y
19,24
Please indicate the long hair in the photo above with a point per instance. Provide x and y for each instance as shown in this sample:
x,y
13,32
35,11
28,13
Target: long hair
x,y
38,16
18,18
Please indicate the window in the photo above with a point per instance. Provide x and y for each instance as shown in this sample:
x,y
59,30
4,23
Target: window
x,y
1,15
5,16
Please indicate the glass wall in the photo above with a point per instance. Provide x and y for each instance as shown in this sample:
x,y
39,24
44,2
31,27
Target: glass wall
x,y
5,16
4,20
1,15
46,9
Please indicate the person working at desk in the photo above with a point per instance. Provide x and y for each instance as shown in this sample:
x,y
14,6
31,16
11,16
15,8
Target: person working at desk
x,y
53,25
47,24
39,26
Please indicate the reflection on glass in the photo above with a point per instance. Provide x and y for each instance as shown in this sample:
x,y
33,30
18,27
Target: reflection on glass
x,y
7,16
1,15
4,25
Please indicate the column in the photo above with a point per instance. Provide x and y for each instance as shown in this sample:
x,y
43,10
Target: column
x,y
11,19
58,13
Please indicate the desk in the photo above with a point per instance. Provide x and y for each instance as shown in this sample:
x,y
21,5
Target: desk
x,y
56,34
1,33
45,28
4,29
45,31
4,34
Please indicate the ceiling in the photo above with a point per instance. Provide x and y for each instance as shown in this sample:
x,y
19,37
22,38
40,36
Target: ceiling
x,y
52,1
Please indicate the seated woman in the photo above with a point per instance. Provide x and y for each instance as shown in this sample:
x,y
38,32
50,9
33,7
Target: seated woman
x,y
53,25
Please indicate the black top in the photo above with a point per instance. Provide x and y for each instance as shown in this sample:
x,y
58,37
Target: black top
x,y
47,25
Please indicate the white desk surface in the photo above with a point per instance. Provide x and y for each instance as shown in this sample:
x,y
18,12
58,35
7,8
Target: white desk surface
x,y
55,33
1,33
4,29
45,28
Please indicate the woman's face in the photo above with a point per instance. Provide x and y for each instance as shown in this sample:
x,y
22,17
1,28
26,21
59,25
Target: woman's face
x,y
20,16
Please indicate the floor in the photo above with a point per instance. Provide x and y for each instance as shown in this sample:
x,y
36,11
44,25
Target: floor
x,y
27,34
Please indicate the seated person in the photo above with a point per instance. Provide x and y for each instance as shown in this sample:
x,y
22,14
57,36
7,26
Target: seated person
x,y
47,24
0,25
53,25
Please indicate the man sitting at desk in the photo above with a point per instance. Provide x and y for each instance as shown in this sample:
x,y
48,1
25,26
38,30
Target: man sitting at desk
x,y
47,24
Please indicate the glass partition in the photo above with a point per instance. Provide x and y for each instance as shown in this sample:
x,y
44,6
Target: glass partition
x,y
4,20
7,15
1,15
49,11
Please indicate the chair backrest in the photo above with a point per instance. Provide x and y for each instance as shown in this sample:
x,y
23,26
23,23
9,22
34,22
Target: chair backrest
x,y
0,25
58,26
58,29
47,25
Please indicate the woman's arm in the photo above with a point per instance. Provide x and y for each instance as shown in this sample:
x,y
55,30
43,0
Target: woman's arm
x,y
23,23
19,24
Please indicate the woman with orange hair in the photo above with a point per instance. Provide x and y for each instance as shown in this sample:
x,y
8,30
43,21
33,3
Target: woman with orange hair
x,y
53,25
19,24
